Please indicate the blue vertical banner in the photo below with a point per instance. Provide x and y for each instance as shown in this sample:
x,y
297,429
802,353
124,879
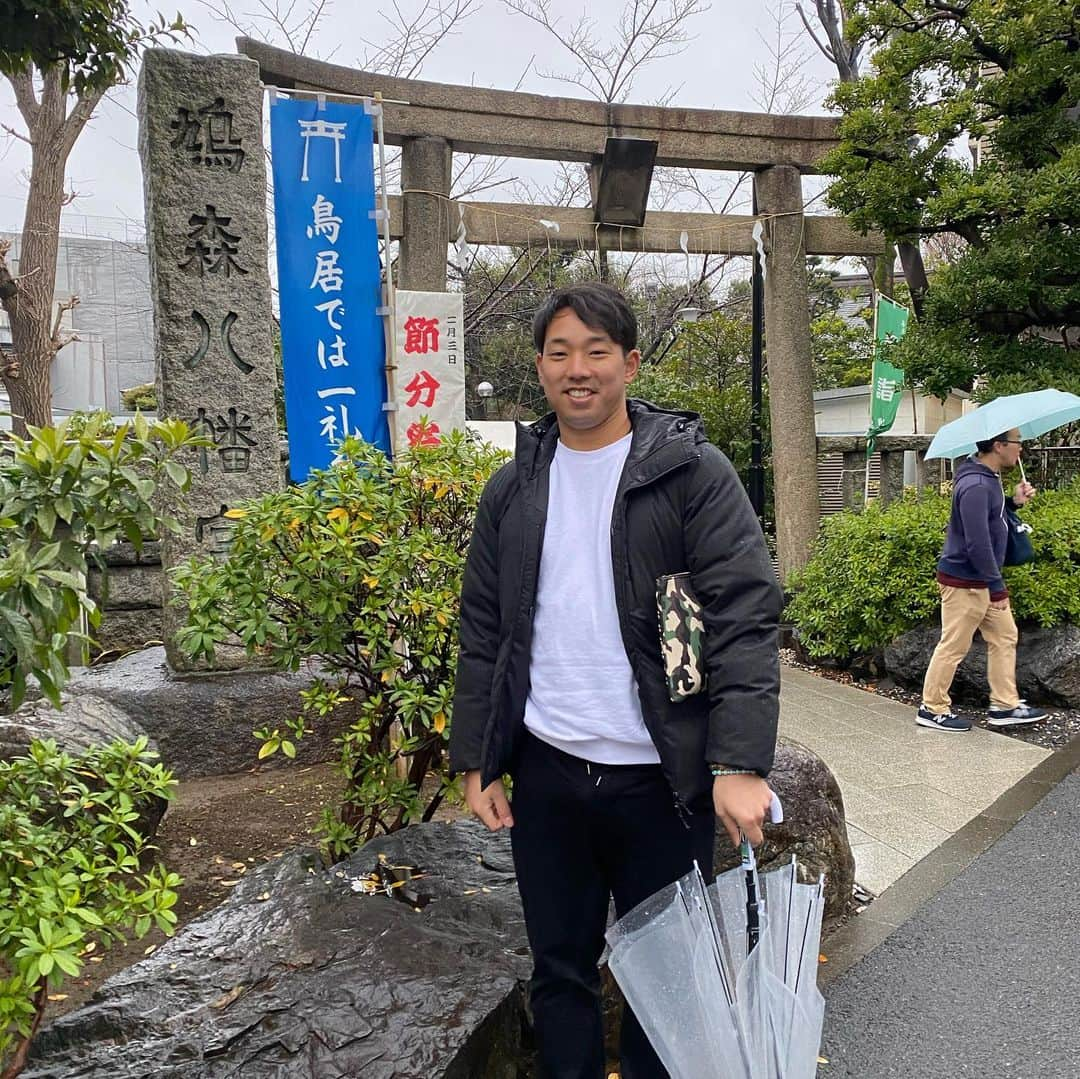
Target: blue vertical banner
x,y
333,342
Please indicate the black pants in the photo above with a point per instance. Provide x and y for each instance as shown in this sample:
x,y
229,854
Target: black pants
x,y
584,833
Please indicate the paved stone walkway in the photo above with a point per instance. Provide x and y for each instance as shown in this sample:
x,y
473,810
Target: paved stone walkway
x,y
983,980
906,788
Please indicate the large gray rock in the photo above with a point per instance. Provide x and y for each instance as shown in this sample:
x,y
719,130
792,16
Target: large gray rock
x,y
81,722
1047,664
297,975
813,829
202,723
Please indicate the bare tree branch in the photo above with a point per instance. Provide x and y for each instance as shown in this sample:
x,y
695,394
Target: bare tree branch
x,y
78,118
25,97
824,49
16,134
782,86
275,21
62,308
412,39
646,31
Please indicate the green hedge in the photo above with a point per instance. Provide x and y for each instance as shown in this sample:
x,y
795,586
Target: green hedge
x,y
871,576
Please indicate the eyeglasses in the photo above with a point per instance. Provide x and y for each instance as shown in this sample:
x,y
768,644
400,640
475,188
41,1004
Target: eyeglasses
x,y
1011,441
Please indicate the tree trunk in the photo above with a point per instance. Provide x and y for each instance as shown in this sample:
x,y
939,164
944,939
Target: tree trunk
x,y
882,276
28,297
28,378
915,275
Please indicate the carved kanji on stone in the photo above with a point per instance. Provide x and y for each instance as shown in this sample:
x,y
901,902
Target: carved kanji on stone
x,y
216,532
203,426
204,168
224,332
232,435
207,136
211,247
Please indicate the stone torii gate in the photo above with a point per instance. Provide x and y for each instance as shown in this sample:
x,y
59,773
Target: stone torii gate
x,y
431,121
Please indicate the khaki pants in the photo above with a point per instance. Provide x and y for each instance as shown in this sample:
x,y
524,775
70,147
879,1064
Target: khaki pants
x,y
963,611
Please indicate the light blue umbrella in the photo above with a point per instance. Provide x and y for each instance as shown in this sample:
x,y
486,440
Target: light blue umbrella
x,y
1032,413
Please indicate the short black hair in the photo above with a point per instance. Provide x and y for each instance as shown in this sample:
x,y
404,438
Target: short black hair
x,y
987,444
600,306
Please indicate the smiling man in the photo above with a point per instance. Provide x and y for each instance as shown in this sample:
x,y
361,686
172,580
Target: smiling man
x,y
561,681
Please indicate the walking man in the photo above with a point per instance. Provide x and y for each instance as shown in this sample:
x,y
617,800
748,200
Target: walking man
x,y
561,681
973,594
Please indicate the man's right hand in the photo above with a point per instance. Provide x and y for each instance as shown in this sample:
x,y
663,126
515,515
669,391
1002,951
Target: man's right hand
x,y
488,803
1024,492
999,604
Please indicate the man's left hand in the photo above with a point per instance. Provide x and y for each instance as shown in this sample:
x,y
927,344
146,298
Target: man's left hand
x,y
742,803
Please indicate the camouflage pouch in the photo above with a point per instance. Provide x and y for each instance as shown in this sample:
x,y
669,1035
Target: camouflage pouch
x,y
682,636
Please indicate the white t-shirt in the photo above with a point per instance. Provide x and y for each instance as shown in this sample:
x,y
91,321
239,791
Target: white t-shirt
x,y
583,696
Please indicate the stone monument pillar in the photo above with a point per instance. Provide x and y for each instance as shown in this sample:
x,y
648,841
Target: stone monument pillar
x,y
204,173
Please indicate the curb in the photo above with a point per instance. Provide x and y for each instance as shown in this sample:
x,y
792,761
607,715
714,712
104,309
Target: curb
x,y
864,932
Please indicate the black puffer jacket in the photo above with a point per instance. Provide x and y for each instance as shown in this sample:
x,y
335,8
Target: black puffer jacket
x,y
679,507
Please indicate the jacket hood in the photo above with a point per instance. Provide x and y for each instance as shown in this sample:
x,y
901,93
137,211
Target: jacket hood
x,y
657,432
973,472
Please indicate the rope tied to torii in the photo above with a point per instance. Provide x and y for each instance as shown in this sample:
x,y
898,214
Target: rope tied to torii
x,y
760,228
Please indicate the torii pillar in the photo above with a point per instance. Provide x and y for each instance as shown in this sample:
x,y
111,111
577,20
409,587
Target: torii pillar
x,y
426,165
790,366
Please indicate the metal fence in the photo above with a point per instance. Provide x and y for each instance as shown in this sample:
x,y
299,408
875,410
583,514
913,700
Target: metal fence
x,y
1053,466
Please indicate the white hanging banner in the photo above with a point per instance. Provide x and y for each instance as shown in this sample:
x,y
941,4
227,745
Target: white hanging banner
x,y
430,357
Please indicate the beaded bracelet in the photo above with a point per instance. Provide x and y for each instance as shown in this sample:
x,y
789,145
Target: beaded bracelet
x,y
733,771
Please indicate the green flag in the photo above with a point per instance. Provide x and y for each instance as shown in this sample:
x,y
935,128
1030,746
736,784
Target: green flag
x,y
886,381
891,320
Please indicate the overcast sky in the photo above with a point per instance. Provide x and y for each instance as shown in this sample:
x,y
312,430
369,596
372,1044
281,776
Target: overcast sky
x,y
493,48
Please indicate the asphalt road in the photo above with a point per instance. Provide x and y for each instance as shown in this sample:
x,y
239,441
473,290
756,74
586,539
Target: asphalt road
x,y
984,980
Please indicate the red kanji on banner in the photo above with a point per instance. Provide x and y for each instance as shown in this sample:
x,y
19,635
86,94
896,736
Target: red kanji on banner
x,y
422,434
421,390
421,335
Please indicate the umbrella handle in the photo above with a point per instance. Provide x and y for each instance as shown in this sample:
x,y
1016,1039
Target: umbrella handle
x,y
776,816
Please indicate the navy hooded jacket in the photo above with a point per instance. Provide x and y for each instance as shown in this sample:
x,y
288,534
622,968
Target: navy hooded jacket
x,y
976,538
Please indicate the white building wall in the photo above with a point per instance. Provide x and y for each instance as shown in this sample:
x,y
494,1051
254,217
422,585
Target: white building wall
x,y
848,413
114,320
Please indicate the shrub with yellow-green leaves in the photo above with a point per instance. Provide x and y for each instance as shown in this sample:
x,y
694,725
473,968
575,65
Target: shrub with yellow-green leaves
x,y
66,494
361,568
74,876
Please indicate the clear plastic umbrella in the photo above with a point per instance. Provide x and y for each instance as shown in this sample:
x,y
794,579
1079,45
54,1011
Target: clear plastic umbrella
x,y
710,1004
665,957
791,936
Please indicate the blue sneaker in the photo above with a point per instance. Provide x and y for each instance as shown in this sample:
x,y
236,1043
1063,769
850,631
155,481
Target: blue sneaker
x,y
1014,717
945,721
